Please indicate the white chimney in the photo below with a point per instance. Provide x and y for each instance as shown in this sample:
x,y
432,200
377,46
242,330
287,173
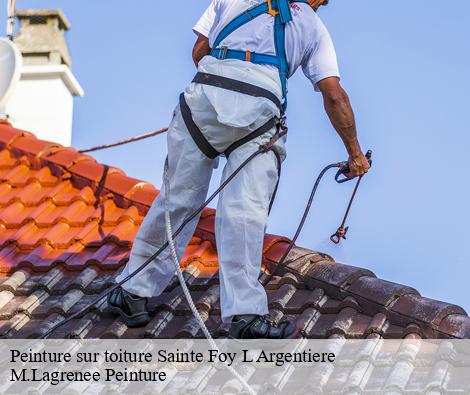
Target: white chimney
x,y
42,102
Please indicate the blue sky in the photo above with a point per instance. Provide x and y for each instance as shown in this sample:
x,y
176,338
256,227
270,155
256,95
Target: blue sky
x,y
406,71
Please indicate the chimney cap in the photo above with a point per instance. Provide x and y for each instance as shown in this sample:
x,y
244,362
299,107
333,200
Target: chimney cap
x,y
30,14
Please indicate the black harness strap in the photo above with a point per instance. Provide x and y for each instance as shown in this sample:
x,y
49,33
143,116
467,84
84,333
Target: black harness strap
x,y
279,170
195,132
202,142
237,86
256,133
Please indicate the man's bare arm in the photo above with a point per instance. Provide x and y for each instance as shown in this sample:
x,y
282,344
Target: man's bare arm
x,y
341,115
201,48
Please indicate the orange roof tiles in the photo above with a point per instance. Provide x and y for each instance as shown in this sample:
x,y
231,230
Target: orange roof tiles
x,y
67,224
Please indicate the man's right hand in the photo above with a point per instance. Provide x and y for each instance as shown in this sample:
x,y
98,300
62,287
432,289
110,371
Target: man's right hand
x,y
358,166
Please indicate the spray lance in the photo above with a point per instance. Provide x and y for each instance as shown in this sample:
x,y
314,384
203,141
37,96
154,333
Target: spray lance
x,y
344,169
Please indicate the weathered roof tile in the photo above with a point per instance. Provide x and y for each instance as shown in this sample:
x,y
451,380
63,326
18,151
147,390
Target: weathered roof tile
x,y
417,309
456,325
334,277
372,292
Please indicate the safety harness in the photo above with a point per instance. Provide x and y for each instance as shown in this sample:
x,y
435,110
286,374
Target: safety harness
x,y
281,12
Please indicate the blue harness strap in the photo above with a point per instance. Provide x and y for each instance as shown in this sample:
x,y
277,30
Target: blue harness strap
x,y
283,16
241,20
258,58
283,7
280,44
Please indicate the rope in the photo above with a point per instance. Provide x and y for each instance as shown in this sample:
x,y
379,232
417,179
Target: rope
x,y
131,140
179,273
11,7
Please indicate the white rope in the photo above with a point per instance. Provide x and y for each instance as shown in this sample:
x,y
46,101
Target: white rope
x,y
179,273
11,11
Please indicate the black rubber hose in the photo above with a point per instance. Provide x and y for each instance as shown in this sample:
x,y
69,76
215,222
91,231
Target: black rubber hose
x,y
304,217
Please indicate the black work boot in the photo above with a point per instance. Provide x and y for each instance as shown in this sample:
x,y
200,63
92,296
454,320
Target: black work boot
x,y
131,308
260,327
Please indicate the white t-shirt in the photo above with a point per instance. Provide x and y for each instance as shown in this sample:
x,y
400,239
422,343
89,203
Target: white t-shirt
x,y
308,43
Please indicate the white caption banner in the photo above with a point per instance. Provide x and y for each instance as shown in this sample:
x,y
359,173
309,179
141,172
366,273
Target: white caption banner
x,y
192,366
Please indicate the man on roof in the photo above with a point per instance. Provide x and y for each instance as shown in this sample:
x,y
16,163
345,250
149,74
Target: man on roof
x,y
245,52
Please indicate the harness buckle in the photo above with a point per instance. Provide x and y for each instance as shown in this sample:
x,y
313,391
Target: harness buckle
x,y
222,53
271,10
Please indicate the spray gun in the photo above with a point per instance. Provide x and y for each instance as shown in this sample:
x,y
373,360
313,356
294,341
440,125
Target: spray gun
x,y
343,171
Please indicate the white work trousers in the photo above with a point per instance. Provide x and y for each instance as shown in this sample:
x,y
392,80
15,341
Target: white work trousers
x,y
242,209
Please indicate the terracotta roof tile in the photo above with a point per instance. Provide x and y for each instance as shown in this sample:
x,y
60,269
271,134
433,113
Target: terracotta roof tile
x,y
31,194
89,169
145,195
65,193
120,185
30,145
67,224
9,135
7,160
17,175
61,156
